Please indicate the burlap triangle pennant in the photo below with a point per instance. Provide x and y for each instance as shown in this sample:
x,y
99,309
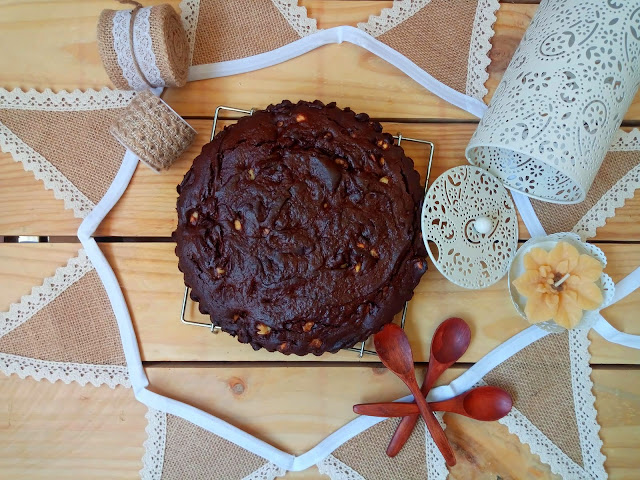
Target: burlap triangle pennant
x,y
62,136
451,43
363,456
178,449
222,31
617,181
554,412
64,330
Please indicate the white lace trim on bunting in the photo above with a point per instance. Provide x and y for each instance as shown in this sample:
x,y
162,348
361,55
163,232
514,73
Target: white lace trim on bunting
x,y
337,470
479,60
296,17
626,141
436,465
189,12
268,471
64,101
153,458
588,427
584,401
41,296
81,373
549,452
622,190
392,17
52,178
605,208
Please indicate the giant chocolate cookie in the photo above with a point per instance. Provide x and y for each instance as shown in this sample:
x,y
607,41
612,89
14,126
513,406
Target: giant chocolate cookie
x,y
298,228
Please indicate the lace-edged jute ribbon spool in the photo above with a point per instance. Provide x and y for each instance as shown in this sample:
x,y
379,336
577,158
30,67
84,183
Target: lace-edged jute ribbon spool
x,y
143,48
153,131
562,99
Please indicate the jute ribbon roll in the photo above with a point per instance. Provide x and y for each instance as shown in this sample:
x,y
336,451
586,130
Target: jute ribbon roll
x,y
153,131
143,48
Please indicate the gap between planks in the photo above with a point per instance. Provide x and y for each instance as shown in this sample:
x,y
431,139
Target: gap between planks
x,y
142,239
279,364
319,364
428,120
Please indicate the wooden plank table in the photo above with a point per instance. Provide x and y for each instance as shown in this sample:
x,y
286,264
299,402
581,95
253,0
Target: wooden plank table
x,y
66,431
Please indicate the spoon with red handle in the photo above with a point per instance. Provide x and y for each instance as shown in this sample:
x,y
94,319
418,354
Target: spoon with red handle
x,y
486,404
394,351
450,340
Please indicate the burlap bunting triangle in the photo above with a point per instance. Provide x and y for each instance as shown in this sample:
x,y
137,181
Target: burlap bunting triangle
x,y
64,330
617,181
363,456
428,36
62,136
178,449
211,39
554,411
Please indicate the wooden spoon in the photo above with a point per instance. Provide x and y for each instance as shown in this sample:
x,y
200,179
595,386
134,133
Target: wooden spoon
x,y
486,404
450,340
394,351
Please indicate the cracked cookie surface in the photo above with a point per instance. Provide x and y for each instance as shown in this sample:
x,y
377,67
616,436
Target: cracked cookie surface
x,y
298,228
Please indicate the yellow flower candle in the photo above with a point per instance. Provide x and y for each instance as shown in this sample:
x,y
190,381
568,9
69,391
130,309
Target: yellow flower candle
x,y
559,285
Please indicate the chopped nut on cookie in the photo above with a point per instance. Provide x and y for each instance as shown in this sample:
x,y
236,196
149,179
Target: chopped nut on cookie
x,y
263,329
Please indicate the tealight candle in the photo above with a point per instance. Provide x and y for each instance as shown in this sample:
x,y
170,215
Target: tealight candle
x,y
557,281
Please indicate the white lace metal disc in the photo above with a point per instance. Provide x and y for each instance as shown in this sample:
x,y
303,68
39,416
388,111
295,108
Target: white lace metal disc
x,y
453,203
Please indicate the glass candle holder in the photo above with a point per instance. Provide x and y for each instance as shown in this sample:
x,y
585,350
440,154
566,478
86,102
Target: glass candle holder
x,y
606,285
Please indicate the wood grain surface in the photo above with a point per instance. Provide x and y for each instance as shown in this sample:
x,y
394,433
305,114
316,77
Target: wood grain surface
x,y
66,431
56,431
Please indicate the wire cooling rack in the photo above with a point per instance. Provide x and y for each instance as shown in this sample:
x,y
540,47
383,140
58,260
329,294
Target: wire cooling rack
x,y
399,139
